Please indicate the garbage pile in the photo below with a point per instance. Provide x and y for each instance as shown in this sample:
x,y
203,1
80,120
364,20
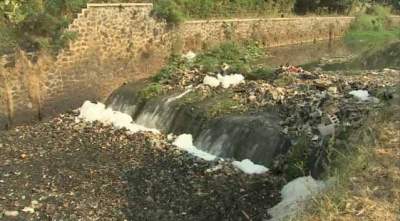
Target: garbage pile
x,y
314,105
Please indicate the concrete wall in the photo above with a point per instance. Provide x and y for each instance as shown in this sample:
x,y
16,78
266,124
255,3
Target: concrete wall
x,y
121,42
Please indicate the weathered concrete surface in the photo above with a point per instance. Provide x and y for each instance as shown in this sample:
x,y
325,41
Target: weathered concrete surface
x,y
121,42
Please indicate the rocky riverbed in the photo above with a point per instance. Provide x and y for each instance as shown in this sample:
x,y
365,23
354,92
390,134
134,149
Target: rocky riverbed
x,y
62,169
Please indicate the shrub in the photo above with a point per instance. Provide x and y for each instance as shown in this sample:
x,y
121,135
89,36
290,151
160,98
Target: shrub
x,y
238,56
35,25
372,28
168,10
175,63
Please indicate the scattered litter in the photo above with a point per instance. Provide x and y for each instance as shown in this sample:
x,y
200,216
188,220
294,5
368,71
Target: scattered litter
x,y
28,210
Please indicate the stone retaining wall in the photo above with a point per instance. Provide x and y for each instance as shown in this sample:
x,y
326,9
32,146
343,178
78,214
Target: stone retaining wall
x,y
117,43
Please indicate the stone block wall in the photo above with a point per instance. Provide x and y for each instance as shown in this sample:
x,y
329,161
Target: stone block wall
x,y
271,32
117,43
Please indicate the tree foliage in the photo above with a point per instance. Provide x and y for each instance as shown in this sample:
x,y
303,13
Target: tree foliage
x,y
36,24
39,24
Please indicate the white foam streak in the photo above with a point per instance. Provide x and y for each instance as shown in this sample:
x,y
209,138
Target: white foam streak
x,y
91,112
225,80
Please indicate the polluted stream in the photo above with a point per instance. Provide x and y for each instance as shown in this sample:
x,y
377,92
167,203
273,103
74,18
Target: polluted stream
x,y
172,157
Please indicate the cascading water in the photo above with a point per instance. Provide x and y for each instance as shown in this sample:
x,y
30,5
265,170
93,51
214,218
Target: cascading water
x,y
250,136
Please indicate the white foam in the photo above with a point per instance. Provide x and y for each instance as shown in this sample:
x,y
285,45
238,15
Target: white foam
x,y
247,166
230,80
185,142
91,112
226,80
294,195
361,95
211,81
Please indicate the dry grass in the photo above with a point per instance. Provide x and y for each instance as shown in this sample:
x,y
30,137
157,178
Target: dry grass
x,y
367,184
24,78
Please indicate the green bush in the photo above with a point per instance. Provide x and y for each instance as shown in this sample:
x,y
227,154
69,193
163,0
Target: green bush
x,y
168,10
376,19
373,29
175,63
7,40
151,90
262,73
37,24
176,10
239,56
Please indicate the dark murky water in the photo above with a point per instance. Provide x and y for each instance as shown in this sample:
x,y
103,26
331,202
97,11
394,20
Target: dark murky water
x,y
307,53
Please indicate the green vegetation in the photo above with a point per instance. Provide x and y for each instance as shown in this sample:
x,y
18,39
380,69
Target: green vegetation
x,y
175,11
376,40
239,56
262,73
214,104
151,90
373,29
175,64
223,104
297,158
34,25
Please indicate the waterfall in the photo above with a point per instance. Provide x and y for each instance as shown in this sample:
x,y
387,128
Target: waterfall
x,y
249,136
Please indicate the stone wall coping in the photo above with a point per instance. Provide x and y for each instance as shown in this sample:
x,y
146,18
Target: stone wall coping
x,y
264,19
92,5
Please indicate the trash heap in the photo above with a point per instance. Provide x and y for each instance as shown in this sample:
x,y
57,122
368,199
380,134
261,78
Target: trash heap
x,y
314,106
